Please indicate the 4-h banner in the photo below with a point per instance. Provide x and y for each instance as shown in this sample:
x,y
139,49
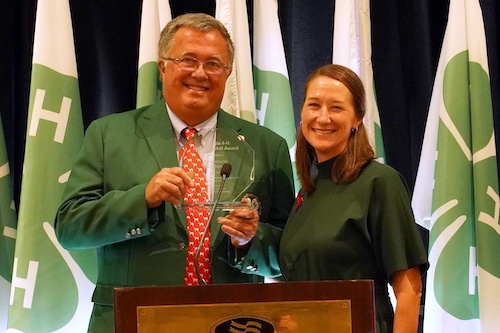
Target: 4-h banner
x,y
273,97
238,97
154,17
352,48
51,288
7,231
456,193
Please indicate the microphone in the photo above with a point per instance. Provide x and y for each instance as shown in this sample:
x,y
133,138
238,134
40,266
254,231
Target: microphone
x,y
225,171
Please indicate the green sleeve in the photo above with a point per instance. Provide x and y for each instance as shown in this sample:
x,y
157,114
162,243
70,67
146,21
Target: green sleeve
x,y
397,242
90,216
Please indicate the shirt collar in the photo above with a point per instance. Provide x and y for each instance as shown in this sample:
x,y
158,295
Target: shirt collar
x,y
178,125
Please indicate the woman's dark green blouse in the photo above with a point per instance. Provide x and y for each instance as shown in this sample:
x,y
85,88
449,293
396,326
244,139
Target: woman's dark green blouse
x,y
361,230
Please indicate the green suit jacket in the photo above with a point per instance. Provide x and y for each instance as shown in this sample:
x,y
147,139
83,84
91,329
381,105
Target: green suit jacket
x,y
104,204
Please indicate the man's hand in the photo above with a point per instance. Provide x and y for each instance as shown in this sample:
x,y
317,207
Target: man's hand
x,y
169,184
241,225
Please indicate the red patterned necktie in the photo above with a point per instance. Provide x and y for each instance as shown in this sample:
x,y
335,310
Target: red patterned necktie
x,y
196,217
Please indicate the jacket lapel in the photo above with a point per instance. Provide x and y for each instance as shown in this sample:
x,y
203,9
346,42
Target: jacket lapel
x,y
157,129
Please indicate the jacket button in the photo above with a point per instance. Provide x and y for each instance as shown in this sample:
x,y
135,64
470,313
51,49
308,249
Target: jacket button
x,y
127,235
182,246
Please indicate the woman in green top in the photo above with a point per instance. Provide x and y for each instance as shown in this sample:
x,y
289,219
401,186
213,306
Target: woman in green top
x,y
352,219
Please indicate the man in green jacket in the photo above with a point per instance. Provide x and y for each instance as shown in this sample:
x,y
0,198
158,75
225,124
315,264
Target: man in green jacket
x,y
124,195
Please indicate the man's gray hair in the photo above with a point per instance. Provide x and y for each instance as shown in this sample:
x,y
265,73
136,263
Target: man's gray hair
x,y
198,21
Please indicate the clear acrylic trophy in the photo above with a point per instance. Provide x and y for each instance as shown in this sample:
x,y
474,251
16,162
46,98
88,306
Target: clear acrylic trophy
x,y
231,148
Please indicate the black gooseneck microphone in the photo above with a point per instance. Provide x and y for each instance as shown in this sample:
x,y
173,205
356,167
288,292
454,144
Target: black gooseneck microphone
x,y
225,171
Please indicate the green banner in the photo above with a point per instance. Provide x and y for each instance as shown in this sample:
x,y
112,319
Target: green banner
x,y
8,225
46,278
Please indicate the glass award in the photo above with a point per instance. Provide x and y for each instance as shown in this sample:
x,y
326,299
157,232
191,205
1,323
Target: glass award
x,y
234,154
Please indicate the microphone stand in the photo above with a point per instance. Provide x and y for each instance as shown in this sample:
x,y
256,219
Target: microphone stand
x,y
224,172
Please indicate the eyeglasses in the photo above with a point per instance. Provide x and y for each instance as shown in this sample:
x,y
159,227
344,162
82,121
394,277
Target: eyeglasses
x,y
190,64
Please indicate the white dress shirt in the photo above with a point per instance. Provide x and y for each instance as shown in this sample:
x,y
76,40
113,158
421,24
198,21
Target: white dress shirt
x,y
204,143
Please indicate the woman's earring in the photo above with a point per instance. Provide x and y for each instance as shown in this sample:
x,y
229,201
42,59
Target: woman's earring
x,y
354,130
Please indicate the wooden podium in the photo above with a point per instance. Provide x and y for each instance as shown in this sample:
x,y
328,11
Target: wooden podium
x,y
150,309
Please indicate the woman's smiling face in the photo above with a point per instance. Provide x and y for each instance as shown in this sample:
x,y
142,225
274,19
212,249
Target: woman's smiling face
x,y
328,117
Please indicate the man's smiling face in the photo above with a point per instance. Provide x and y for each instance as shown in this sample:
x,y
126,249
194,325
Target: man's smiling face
x,y
194,96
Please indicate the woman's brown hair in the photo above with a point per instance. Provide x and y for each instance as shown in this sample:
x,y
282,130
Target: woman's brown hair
x,y
349,163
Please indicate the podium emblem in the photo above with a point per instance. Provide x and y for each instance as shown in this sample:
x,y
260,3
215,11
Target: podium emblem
x,y
242,324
